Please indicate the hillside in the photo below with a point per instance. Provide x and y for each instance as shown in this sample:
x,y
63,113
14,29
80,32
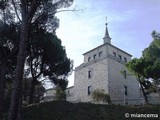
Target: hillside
x,y
85,111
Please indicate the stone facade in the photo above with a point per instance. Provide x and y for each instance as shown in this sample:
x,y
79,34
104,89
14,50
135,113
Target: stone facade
x,y
104,68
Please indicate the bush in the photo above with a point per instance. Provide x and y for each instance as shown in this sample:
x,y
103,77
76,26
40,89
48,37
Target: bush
x,y
60,94
100,96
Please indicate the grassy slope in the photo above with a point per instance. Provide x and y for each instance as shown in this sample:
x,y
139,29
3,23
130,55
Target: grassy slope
x,y
84,111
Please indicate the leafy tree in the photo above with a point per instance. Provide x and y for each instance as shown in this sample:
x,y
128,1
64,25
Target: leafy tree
x,y
100,96
152,56
28,11
156,37
38,93
137,66
46,57
148,66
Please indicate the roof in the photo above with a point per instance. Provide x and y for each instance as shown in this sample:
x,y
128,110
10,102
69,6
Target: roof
x,y
110,45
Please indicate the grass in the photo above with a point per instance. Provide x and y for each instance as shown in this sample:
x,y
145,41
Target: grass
x,y
62,110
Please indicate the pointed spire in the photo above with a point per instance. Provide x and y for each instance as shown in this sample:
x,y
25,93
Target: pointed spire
x,y
106,38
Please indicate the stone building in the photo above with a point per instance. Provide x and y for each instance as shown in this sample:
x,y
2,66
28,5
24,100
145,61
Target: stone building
x,y
104,68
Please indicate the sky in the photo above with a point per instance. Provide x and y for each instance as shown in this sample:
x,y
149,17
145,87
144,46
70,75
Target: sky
x,y
130,24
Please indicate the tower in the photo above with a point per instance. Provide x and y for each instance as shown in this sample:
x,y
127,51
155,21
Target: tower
x,y
102,69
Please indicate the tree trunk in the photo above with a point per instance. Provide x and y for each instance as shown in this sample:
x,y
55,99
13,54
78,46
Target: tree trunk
x,y
3,70
20,107
32,90
144,94
17,83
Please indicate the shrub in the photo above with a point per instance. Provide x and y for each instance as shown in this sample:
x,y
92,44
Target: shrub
x,y
60,94
99,95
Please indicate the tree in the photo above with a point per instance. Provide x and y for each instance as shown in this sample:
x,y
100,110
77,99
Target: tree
x,y
8,50
46,57
100,96
152,56
29,11
38,93
137,66
148,66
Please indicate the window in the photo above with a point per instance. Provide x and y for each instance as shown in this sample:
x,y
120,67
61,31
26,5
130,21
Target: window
x,y
120,57
100,54
125,90
89,59
114,54
125,59
125,74
89,74
94,56
89,90
68,92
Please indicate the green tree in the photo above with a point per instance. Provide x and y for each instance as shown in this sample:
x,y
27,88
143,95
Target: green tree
x,y
38,93
148,66
152,57
137,66
28,11
46,57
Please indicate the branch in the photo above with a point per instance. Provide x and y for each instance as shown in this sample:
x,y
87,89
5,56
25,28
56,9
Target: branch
x,y
16,10
23,7
72,10
32,73
32,11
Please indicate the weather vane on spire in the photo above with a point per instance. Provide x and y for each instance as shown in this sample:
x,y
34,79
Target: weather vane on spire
x,y
106,19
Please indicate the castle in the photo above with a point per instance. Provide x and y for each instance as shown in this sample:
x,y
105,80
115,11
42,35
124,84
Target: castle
x,y
104,68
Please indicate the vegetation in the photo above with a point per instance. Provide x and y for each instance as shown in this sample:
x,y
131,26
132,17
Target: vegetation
x,y
148,66
46,57
60,94
13,47
99,96
61,110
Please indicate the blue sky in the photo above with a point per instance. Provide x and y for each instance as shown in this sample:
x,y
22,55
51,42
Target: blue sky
x,y
130,23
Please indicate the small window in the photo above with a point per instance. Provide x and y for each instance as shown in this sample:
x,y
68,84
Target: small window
x,y
125,59
100,54
89,74
89,90
125,90
120,57
94,56
125,74
68,92
114,54
89,59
